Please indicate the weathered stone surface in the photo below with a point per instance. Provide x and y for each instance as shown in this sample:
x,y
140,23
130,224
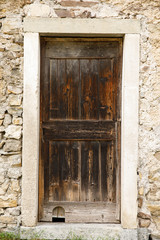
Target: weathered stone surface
x,y
154,209
144,223
2,110
144,215
63,13
12,146
2,179
17,121
37,10
85,14
2,142
10,26
1,136
7,120
14,211
155,237
157,155
7,219
14,89
15,186
17,112
2,87
2,129
4,203
14,173
13,131
15,160
2,225
14,47
140,202
15,100
4,187
1,211
141,191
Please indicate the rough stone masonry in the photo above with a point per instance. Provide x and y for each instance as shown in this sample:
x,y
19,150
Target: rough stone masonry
x,y
12,14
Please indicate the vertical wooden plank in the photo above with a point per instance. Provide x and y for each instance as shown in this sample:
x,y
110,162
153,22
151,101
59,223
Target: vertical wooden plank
x,y
46,92
58,91
84,195
105,90
80,168
72,86
104,187
100,172
64,163
110,177
54,172
45,157
93,89
94,172
89,88
74,178
90,171
63,171
108,171
54,89
62,91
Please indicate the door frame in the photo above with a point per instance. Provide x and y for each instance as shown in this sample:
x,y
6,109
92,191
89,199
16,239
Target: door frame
x,y
129,30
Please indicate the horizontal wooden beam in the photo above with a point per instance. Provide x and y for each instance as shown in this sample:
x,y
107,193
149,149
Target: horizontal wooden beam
x,y
80,130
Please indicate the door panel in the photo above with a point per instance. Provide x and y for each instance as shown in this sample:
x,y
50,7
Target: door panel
x,y
80,129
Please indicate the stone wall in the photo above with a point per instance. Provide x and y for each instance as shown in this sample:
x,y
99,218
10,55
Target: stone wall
x,y
12,14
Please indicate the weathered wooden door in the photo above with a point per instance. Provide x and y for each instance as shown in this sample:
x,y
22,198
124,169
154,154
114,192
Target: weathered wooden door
x,y
79,178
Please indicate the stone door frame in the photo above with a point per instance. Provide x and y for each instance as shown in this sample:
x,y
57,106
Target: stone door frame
x,y
129,30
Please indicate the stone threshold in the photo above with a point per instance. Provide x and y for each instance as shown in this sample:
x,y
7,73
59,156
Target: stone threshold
x,y
90,231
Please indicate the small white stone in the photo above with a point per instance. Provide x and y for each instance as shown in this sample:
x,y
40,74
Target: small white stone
x,y
15,111
7,120
14,89
17,121
1,211
12,145
15,186
2,129
2,175
15,211
39,10
4,187
13,131
15,160
14,47
15,100
14,173
1,115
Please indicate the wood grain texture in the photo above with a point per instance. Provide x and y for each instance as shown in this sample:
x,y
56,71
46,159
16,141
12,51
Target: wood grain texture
x,y
63,174
81,48
57,130
80,129
83,213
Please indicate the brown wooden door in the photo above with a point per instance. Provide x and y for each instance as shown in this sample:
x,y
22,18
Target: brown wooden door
x,y
79,177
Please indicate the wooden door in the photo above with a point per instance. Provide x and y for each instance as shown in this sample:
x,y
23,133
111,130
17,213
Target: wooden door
x,y
79,178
